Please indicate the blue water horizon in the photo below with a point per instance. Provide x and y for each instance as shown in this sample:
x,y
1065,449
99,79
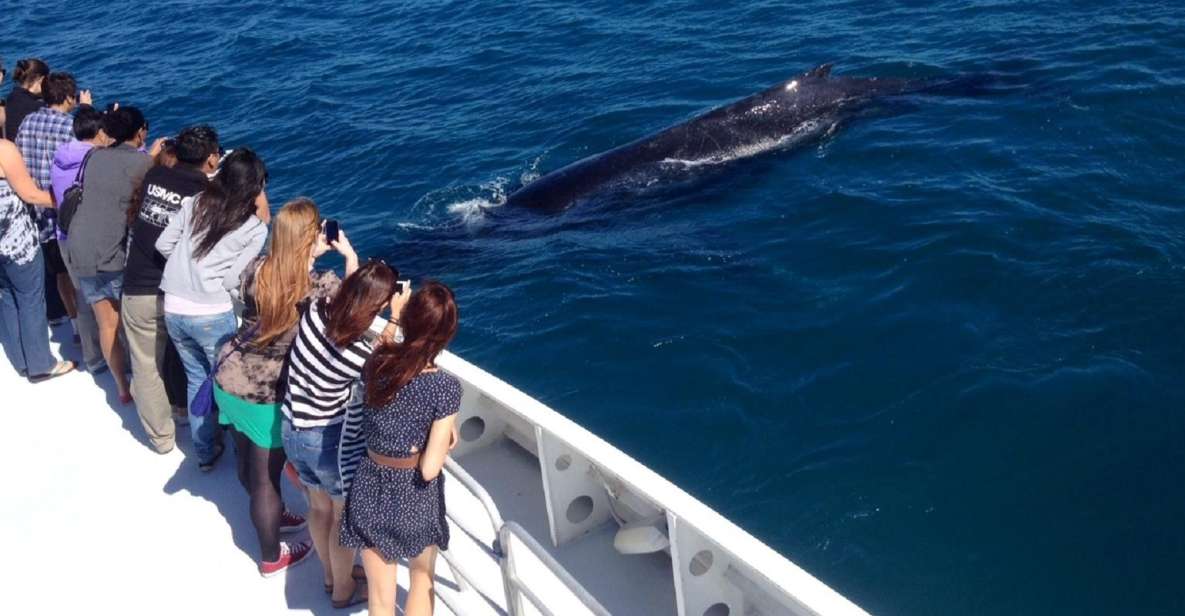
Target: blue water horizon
x,y
936,358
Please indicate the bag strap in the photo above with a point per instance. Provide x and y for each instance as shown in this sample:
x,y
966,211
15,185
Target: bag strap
x,y
80,175
239,342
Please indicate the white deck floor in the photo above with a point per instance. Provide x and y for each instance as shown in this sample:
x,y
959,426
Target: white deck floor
x,y
95,521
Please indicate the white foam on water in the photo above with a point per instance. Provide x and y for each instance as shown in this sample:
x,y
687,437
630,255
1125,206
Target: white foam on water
x,y
472,210
531,173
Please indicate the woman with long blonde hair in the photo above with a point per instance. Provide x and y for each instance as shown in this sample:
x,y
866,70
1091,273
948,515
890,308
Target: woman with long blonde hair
x,y
274,288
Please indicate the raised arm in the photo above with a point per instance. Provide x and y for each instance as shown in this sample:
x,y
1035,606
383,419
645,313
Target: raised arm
x,y
440,439
168,238
18,176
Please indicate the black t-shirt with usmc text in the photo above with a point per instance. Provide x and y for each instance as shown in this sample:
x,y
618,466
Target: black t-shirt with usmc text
x,y
164,188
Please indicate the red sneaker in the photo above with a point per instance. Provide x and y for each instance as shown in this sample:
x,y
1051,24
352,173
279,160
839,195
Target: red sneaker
x,y
290,522
291,554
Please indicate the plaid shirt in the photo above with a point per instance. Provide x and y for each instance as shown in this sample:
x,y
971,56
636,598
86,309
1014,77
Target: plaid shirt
x,y
39,136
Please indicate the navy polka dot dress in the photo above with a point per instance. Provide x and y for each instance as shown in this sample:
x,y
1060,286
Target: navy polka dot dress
x,y
394,511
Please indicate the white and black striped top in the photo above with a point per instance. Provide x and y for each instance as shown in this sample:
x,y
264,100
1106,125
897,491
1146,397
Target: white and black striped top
x,y
320,374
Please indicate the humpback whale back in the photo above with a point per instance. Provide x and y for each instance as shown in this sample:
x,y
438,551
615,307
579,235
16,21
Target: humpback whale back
x,y
790,112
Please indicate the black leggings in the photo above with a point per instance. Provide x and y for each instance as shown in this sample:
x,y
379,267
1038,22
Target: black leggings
x,y
259,472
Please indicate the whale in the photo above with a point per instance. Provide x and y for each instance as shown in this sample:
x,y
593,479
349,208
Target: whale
x,y
809,104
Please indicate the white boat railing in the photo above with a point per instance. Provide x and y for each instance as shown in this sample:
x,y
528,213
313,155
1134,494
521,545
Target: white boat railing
x,y
717,568
518,589
505,533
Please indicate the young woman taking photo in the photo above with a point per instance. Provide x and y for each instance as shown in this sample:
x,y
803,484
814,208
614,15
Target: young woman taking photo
x,y
208,244
396,503
333,342
275,288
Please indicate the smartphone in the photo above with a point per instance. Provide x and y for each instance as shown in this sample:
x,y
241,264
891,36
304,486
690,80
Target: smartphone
x,y
401,286
330,230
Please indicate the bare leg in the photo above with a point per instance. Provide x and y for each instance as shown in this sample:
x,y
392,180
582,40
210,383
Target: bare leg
x,y
320,523
107,314
381,583
341,558
421,601
66,290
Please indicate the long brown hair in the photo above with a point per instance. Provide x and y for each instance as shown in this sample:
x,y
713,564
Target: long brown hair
x,y
429,322
362,296
228,200
283,278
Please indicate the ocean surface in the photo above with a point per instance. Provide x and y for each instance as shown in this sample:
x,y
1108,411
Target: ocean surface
x,y
936,358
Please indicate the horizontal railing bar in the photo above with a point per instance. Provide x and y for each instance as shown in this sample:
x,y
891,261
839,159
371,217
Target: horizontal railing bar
x,y
513,528
477,490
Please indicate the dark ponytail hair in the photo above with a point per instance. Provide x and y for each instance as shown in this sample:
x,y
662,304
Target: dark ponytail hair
x,y
29,70
429,322
361,298
228,200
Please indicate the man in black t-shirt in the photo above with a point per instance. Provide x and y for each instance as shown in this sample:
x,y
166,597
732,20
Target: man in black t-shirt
x,y
143,315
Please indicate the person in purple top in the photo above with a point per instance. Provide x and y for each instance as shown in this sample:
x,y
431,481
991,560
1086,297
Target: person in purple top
x,y
88,133
67,162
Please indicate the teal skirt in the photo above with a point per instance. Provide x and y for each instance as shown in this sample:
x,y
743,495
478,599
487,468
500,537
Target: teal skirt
x,y
258,422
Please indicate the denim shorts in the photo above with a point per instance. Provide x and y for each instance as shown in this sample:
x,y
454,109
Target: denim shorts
x,y
313,452
104,285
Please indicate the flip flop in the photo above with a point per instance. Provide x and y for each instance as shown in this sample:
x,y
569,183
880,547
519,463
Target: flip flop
x,y
357,598
358,573
62,367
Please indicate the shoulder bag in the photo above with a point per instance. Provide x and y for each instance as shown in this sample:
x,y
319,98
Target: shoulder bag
x,y
72,198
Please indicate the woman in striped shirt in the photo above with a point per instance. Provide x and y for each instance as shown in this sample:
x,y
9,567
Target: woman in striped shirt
x,y
332,344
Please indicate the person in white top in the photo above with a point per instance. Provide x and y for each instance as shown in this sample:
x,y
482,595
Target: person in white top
x,y
208,243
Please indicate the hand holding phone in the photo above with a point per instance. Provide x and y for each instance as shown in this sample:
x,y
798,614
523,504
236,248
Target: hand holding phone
x,y
399,299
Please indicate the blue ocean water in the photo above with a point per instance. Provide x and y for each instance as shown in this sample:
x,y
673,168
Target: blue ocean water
x,y
936,358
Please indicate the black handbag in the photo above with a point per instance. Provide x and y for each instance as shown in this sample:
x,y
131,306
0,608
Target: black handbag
x,y
72,198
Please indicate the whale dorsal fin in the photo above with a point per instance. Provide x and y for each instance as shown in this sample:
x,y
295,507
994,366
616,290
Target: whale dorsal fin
x,y
822,71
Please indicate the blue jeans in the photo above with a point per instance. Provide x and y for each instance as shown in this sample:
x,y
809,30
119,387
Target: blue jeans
x,y
24,330
313,452
198,339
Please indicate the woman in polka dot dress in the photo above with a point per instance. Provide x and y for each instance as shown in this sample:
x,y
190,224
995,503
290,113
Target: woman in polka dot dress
x,y
395,508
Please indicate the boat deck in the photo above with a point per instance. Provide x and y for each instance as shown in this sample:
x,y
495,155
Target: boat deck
x,y
140,532
98,520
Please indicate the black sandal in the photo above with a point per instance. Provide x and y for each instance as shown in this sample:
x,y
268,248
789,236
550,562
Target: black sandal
x,y
358,597
358,573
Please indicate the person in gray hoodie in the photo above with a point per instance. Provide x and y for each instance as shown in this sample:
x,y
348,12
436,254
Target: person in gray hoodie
x,y
208,243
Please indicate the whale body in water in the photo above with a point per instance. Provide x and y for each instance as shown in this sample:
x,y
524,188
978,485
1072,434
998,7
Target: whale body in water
x,y
806,105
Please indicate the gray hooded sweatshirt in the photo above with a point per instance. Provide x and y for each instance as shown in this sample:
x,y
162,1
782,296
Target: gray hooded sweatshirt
x,y
214,278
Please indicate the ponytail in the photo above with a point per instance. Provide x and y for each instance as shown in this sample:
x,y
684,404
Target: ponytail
x,y
28,71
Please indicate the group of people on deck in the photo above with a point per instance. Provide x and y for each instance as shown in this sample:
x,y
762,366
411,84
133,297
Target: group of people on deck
x,y
331,378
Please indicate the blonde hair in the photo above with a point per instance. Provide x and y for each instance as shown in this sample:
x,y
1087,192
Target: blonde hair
x,y
283,278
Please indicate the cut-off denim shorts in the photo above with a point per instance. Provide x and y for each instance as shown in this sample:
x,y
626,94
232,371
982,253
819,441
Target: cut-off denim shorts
x,y
313,452
101,286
